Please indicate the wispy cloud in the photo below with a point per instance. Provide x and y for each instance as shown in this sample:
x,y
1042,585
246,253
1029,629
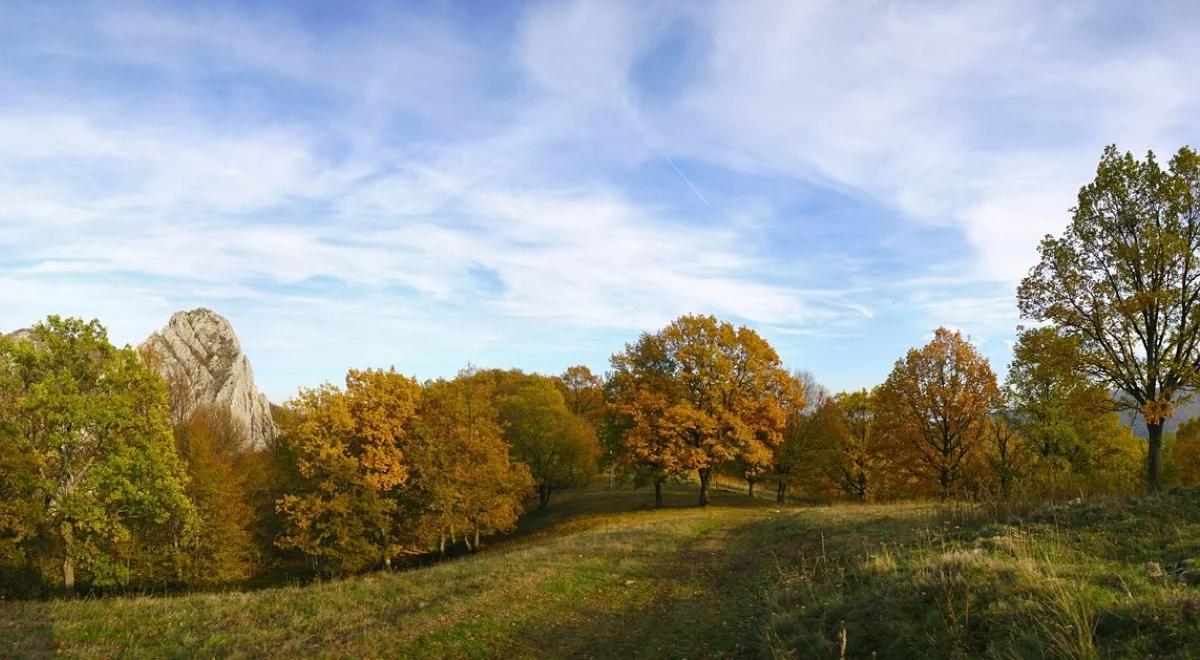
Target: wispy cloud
x,y
532,187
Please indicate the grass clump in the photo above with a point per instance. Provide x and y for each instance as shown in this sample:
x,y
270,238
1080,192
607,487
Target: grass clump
x,y
1061,582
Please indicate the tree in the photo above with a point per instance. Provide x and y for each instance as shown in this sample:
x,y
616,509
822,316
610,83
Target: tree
x,y
583,393
1186,452
1124,281
350,449
1067,421
1006,453
463,481
935,406
860,458
724,386
585,396
87,426
211,443
653,439
559,447
810,436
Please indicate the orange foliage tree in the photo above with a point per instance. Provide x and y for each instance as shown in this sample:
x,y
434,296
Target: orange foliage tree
x,y
934,407
212,445
707,393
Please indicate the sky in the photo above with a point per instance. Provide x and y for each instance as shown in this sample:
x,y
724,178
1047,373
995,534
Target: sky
x,y
532,185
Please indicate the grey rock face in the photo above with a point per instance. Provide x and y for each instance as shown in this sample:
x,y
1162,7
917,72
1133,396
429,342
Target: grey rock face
x,y
200,357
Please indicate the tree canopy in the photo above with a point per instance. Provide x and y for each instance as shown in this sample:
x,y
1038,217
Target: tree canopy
x,y
100,487
723,389
935,406
1123,280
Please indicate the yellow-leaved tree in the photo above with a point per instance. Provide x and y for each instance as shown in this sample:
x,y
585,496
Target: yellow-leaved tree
x,y
463,483
862,466
351,459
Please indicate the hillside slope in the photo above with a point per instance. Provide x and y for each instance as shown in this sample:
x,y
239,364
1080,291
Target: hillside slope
x,y
599,575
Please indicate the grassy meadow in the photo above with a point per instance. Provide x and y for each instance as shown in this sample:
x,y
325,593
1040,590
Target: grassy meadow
x,y
601,574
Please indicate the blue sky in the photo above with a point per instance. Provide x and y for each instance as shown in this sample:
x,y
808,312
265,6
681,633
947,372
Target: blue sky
x,y
532,185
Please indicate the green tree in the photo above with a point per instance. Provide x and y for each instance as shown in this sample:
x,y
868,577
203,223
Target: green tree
x,y
87,426
724,387
559,447
1123,280
1067,421
810,437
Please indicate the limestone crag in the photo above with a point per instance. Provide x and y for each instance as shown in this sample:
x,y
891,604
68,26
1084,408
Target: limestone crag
x,y
200,357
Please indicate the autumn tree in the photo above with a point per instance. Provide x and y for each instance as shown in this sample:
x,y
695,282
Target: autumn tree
x,y
724,386
463,482
87,427
652,442
1123,280
935,405
350,449
559,447
1067,420
810,436
583,393
211,443
1185,452
861,461
1005,451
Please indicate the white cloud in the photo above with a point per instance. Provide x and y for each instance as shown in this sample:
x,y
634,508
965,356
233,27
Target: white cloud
x,y
448,187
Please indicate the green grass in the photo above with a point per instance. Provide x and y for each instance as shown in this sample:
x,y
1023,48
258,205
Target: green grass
x,y
603,575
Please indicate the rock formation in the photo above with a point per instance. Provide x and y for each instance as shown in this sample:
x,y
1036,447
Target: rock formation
x,y
200,357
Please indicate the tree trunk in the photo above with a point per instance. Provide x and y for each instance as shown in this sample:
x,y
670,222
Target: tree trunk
x,y
477,537
750,487
658,493
543,496
68,567
781,491
442,544
1154,433
705,475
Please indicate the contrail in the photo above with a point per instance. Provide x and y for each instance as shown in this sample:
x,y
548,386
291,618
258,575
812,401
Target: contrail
x,y
683,176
